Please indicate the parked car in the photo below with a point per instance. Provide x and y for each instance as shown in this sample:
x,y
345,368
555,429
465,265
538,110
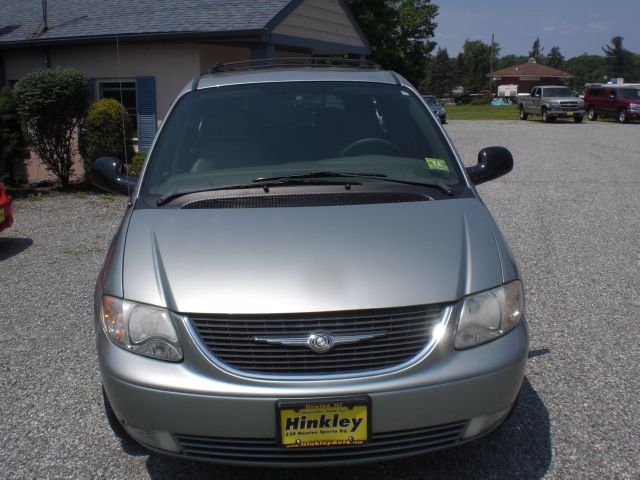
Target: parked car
x,y
6,217
621,102
306,275
551,102
436,107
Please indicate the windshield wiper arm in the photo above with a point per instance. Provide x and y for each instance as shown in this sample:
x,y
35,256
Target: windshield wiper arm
x,y
321,173
262,183
443,187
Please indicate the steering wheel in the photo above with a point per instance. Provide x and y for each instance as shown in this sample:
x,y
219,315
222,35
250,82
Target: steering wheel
x,y
364,143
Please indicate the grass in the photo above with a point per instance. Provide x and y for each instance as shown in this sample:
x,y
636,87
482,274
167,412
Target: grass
x,y
481,112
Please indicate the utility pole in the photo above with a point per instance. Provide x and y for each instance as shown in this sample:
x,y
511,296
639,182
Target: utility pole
x,y
491,69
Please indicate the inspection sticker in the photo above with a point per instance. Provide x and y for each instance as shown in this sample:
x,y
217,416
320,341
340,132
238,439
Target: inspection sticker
x,y
437,164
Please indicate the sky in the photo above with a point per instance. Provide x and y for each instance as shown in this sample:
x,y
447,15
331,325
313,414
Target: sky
x,y
576,26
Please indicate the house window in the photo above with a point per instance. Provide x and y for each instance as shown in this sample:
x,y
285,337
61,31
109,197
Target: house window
x,y
112,89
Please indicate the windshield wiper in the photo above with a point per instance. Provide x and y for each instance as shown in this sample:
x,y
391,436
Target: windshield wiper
x,y
263,183
443,187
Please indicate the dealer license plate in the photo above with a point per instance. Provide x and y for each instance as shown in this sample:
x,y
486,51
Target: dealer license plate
x,y
323,423
569,114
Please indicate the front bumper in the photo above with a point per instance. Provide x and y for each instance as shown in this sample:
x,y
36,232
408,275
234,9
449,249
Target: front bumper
x,y
559,113
217,416
633,114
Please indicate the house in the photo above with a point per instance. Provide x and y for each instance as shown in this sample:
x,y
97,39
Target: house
x,y
145,51
528,75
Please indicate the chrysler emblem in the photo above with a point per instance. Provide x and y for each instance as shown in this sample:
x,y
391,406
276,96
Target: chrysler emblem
x,y
320,342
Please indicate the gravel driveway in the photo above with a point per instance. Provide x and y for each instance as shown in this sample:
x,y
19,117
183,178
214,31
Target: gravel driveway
x,y
571,213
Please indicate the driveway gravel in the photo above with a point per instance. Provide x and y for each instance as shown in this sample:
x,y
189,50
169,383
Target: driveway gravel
x,y
571,213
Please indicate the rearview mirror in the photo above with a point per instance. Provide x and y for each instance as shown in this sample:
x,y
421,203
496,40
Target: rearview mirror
x,y
108,174
493,162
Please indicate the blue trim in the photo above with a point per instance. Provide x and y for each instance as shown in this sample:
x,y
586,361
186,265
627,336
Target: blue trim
x,y
91,90
263,50
146,111
288,40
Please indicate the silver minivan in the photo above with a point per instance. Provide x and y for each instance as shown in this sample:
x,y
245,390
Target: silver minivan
x,y
306,275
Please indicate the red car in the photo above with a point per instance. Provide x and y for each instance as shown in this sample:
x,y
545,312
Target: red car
x,y
620,101
6,219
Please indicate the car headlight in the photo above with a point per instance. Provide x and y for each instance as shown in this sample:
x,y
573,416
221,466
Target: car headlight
x,y
488,315
555,103
443,111
634,105
141,329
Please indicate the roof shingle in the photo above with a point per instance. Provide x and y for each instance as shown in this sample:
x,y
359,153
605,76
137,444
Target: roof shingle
x,y
531,69
69,19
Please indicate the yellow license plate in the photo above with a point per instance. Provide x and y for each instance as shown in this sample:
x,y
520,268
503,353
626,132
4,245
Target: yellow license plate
x,y
1,215
323,423
569,114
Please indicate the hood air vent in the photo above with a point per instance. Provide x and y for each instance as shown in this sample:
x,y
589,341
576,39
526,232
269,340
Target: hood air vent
x,y
307,200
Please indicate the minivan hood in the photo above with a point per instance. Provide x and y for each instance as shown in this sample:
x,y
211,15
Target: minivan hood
x,y
294,260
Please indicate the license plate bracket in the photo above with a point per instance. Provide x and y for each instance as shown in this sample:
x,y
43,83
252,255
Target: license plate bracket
x,y
323,422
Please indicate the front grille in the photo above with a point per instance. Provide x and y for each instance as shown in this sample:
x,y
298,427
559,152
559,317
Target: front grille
x,y
307,200
230,339
569,106
264,451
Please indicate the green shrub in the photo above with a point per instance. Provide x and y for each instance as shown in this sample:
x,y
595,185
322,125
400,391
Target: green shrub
x,y
102,133
12,140
136,163
50,105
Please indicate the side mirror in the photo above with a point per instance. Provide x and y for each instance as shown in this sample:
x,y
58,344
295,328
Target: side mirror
x,y
107,173
493,162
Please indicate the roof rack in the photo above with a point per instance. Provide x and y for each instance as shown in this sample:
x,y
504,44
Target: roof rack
x,y
294,62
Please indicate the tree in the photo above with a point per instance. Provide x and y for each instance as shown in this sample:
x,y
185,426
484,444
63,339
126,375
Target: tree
x,y
459,69
441,76
106,132
477,59
619,59
50,104
399,32
586,69
554,58
11,138
510,61
536,50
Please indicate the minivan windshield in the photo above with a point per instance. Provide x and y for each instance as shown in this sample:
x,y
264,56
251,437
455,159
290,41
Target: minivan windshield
x,y
430,100
232,135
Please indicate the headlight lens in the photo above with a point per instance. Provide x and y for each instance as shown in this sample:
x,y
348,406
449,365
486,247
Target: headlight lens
x,y
488,315
555,103
141,329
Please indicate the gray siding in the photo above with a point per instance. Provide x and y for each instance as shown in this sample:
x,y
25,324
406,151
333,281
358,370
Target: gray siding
x,y
323,20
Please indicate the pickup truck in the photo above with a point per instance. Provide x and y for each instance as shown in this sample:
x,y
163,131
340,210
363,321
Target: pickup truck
x,y
551,102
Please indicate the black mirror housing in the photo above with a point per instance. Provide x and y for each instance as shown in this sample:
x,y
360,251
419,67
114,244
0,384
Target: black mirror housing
x,y
493,162
108,174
